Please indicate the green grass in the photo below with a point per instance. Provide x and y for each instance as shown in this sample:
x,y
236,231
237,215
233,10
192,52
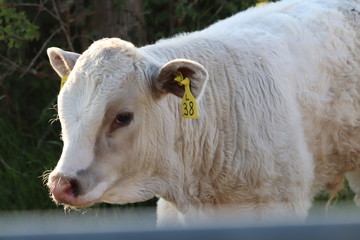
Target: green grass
x,y
24,156
29,143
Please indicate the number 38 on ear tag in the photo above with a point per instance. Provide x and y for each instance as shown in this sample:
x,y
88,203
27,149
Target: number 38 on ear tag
x,y
188,103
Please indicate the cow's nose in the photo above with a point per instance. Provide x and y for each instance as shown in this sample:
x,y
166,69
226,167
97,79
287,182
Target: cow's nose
x,y
63,189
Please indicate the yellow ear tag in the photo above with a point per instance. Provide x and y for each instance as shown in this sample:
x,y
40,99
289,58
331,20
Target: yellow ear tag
x,y
261,3
63,81
188,104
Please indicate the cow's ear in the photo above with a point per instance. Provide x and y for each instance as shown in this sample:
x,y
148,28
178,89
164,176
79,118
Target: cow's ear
x,y
197,74
62,61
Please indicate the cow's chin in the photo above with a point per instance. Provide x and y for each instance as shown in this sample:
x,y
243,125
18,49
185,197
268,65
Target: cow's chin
x,y
78,203
74,202
112,197
77,206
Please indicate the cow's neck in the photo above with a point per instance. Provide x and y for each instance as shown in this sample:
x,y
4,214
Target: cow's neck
x,y
205,147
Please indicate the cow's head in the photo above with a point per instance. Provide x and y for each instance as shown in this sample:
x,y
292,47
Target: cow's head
x,y
118,126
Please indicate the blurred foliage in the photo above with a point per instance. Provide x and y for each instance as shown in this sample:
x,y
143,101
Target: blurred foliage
x,y
15,26
188,15
29,138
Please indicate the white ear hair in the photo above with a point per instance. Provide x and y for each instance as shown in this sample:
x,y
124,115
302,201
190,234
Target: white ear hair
x,y
62,61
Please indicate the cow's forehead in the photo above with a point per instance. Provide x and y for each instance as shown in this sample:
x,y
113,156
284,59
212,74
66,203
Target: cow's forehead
x,y
101,72
108,57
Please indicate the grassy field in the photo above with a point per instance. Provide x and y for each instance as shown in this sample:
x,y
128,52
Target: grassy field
x,y
29,146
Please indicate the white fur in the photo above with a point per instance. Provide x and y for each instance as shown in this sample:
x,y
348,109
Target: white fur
x,y
279,115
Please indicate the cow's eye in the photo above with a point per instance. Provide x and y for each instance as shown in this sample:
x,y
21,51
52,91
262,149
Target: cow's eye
x,y
121,120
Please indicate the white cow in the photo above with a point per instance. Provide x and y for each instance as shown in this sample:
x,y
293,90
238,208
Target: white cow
x,y
277,89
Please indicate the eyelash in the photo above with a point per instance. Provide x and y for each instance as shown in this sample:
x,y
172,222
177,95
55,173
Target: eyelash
x,y
121,120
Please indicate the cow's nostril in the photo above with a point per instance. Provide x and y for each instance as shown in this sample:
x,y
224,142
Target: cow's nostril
x,y
74,187
63,189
